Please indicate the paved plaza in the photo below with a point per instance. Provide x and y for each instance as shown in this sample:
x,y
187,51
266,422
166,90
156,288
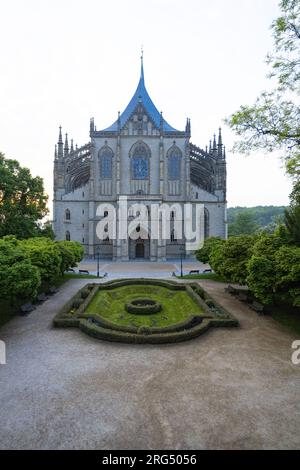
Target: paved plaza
x,y
228,389
141,268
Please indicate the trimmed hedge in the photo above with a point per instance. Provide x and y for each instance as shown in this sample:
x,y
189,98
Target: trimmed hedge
x,y
98,327
99,332
143,306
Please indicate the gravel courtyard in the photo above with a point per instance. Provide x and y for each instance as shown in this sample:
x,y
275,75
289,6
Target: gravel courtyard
x,y
229,389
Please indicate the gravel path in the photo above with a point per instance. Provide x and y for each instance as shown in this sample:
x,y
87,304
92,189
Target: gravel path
x,y
229,389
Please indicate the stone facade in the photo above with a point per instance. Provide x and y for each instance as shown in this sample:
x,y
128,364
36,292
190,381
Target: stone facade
x,y
142,157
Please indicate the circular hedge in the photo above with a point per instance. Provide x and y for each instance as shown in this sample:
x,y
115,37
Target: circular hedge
x,y
143,306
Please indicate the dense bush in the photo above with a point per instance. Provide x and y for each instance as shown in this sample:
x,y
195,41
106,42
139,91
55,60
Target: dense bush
x,y
203,253
268,263
230,258
26,264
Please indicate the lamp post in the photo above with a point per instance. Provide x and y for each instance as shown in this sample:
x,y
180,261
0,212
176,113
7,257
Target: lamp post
x,y
98,261
181,255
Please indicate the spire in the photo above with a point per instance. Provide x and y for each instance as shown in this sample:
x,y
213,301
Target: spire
x,y
188,126
224,153
55,152
60,145
220,144
66,149
142,65
141,96
92,126
215,148
220,136
210,147
72,146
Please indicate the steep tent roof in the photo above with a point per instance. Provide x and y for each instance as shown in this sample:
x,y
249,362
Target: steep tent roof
x,y
141,96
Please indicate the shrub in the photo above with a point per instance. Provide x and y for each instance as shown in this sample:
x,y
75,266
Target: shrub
x,y
230,258
85,293
77,302
203,253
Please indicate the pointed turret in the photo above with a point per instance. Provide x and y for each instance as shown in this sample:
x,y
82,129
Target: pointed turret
x,y
60,145
66,148
72,146
92,126
220,144
188,127
215,148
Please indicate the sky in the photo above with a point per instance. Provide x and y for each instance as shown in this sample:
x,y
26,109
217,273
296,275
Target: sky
x,y
65,61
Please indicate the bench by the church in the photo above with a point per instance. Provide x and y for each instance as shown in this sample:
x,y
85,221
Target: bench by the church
x,y
206,271
71,270
243,296
42,297
52,290
194,271
231,290
257,307
26,308
83,271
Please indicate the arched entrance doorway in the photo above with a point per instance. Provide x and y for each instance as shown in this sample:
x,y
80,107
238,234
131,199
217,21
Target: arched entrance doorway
x,y
140,249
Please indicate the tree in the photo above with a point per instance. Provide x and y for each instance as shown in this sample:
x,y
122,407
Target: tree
x,y
292,222
203,253
22,200
244,224
19,279
71,254
45,255
273,122
230,258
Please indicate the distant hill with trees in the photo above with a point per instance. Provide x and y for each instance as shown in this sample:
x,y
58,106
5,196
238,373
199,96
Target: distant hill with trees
x,y
246,220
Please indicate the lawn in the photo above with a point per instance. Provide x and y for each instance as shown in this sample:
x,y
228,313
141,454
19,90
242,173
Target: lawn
x,y
211,276
177,306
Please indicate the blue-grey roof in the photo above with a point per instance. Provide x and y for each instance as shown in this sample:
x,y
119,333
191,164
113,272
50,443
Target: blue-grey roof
x,y
141,96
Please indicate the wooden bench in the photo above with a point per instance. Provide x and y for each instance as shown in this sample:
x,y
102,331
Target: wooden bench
x,y
206,271
231,290
257,307
42,297
52,290
71,270
27,308
243,296
194,271
83,271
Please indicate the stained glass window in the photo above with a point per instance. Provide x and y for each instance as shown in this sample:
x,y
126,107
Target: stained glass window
x,y
105,156
174,160
140,163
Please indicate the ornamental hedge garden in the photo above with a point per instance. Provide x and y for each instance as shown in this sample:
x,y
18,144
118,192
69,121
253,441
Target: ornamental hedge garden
x,y
182,311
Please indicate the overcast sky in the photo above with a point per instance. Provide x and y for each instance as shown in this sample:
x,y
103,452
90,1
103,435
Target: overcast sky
x,y
64,61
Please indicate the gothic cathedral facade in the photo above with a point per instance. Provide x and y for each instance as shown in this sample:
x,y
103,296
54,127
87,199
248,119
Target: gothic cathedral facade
x,y
142,157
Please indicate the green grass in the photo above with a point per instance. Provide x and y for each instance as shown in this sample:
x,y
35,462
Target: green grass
x,y
211,276
80,276
177,306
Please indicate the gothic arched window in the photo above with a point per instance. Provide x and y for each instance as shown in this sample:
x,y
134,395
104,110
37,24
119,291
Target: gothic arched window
x,y
140,162
105,157
206,223
174,163
67,214
173,236
68,236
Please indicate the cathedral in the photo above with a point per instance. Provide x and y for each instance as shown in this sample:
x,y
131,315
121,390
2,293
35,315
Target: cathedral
x,y
140,156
